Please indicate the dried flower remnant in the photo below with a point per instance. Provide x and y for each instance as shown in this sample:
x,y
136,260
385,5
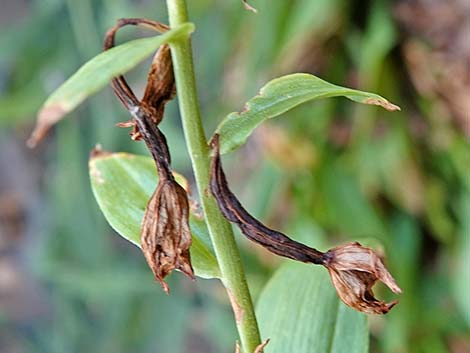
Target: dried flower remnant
x,y
353,269
165,237
165,234
160,83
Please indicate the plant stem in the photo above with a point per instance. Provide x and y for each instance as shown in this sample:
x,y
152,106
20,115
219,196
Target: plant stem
x,y
226,250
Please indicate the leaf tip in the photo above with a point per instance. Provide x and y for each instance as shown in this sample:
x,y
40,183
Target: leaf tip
x,y
47,117
249,7
382,102
260,348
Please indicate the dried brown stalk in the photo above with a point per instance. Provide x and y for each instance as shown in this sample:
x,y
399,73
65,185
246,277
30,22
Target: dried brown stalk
x,y
165,234
253,229
353,269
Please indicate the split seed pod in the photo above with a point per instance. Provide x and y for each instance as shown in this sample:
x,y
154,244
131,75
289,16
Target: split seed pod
x,y
165,237
353,269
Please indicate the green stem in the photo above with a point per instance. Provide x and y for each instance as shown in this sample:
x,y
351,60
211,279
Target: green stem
x,y
226,250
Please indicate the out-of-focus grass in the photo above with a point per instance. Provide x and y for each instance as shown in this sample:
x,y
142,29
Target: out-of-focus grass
x,y
333,171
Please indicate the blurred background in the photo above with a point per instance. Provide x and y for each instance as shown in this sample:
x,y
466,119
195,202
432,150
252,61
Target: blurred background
x,y
327,172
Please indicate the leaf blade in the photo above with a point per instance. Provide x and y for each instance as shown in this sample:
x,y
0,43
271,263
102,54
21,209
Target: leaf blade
x,y
281,95
122,184
96,74
300,312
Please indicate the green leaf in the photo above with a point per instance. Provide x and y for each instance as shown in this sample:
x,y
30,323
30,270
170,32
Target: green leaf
x,y
122,184
96,73
344,200
281,95
462,258
300,312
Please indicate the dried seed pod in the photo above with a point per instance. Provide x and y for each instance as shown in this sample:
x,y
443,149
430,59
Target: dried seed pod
x,y
165,233
353,269
165,236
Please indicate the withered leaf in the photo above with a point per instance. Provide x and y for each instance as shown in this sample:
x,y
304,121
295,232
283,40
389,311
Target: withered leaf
x,y
353,269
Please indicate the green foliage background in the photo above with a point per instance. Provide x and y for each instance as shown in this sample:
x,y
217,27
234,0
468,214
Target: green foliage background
x,y
333,171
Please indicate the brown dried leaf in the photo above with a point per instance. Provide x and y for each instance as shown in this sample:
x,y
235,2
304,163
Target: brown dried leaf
x,y
165,237
354,269
382,103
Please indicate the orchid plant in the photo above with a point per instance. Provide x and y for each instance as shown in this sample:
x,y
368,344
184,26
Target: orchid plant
x,y
163,221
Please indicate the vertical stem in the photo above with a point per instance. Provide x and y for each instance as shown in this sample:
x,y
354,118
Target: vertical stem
x,y
226,250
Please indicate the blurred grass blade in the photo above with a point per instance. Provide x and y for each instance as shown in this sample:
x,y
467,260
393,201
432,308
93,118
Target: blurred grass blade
x,y
122,184
300,312
461,282
96,73
281,95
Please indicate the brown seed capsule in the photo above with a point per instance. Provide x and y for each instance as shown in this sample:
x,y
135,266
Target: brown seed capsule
x,y
354,269
165,236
